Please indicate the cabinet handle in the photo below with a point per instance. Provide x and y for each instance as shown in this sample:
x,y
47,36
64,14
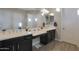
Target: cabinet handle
x,y
18,46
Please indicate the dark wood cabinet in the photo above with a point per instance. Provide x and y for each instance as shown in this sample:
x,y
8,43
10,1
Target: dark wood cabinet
x,y
23,43
48,37
51,35
44,39
15,43
6,45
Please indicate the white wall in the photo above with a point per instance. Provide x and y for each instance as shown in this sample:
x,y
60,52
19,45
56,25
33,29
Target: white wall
x,y
70,23
58,20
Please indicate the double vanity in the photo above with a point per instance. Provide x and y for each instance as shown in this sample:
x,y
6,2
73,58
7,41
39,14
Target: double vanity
x,y
22,40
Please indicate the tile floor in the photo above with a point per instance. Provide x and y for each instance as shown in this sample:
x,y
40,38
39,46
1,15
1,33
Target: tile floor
x,y
57,46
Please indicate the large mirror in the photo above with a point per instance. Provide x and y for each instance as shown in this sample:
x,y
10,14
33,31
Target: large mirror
x,y
34,20
49,19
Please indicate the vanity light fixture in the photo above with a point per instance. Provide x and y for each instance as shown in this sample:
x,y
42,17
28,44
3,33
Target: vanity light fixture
x,y
29,20
20,24
44,11
58,9
42,14
51,14
78,12
36,19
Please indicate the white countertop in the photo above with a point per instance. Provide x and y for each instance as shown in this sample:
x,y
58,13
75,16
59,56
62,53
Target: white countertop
x,y
42,31
12,34
8,35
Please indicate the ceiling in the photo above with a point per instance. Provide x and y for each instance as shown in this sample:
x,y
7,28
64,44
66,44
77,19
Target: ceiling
x,y
36,10
30,9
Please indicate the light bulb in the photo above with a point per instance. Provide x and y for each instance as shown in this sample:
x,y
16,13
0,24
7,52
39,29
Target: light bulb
x,y
58,9
44,11
29,20
36,19
42,14
51,14
20,24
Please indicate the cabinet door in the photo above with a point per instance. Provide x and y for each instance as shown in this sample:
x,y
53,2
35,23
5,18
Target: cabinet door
x,y
48,37
53,34
43,39
49,34
5,45
25,44
15,43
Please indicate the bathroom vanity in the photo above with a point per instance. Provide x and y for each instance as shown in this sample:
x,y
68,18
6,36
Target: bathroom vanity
x,y
22,41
